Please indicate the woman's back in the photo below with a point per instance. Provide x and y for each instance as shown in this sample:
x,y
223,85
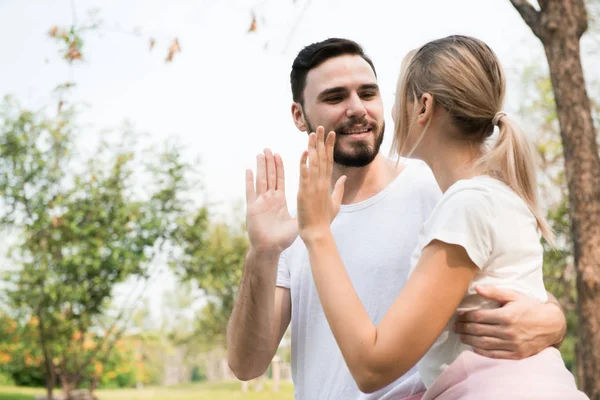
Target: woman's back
x,y
500,234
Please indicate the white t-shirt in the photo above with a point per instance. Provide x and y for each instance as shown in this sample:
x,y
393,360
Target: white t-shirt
x,y
499,232
375,238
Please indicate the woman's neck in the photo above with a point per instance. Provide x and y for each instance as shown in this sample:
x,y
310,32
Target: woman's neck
x,y
453,161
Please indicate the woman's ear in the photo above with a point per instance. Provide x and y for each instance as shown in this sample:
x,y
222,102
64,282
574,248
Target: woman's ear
x,y
425,109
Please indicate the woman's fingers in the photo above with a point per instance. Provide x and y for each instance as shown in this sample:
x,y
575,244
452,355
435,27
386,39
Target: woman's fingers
x,y
313,161
321,152
329,146
303,167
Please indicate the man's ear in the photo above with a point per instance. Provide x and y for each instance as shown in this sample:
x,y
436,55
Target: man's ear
x,y
425,109
298,116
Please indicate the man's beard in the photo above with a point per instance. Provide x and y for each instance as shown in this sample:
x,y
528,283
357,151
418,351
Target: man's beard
x,y
362,154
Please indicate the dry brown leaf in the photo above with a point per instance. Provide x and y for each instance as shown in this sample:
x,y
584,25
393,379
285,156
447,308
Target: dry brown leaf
x,y
53,31
152,43
253,25
73,52
173,49
60,104
56,221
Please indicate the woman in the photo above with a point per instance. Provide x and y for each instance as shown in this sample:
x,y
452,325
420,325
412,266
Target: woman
x,y
484,230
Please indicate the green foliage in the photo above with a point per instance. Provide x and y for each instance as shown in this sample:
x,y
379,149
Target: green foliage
x,y
197,375
119,370
213,257
539,110
151,350
6,379
78,234
20,356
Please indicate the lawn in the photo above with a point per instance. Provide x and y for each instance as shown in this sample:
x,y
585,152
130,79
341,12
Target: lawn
x,y
201,391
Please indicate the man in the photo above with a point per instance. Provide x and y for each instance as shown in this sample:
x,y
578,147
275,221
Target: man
x,y
334,85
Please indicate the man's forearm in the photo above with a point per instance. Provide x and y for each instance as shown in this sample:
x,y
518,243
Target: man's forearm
x,y
561,333
250,330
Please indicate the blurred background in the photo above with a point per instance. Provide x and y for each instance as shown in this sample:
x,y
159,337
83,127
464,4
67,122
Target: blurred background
x,y
125,130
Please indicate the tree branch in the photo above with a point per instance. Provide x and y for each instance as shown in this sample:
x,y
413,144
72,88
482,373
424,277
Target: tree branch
x,y
530,15
296,24
74,13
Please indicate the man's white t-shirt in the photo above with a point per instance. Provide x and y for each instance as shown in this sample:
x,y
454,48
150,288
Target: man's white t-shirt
x,y
375,238
500,234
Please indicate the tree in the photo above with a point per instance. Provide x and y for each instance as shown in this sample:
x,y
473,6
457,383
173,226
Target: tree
x,y
79,234
560,24
213,257
71,38
539,111
20,357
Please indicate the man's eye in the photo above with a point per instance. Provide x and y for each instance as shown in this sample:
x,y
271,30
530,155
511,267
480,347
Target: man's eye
x,y
368,95
335,99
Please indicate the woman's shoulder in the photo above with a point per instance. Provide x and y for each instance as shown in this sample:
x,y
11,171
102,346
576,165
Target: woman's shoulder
x,y
476,191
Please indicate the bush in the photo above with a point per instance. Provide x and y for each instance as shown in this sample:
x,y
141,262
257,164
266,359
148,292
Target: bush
x,y
29,376
198,375
6,379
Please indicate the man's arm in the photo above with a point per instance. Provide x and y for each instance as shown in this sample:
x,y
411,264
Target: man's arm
x,y
521,328
262,312
562,332
259,319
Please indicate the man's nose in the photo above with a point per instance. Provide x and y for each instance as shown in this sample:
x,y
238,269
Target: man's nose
x,y
356,107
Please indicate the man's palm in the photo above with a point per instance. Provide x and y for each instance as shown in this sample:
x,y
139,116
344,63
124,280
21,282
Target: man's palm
x,y
269,223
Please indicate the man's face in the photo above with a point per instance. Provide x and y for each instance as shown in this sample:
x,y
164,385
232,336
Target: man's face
x,y
342,95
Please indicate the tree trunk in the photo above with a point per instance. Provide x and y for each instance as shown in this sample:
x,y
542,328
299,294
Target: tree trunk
x,y
67,386
50,378
50,383
559,25
94,384
50,372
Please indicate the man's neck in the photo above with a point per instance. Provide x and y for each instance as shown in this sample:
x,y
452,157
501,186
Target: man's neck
x,y
363,183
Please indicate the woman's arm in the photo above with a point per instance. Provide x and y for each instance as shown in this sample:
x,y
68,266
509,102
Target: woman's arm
x,y
376,356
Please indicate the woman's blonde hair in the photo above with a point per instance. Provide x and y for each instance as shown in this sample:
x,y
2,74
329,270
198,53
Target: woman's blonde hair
x,y
463,75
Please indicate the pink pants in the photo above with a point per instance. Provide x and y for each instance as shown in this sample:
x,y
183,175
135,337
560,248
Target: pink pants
x,y
474,377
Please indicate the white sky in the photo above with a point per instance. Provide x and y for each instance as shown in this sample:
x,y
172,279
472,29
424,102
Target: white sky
x,y
226,96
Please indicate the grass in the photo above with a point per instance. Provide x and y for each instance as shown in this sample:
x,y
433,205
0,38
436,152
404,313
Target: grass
x,y
200,391
14,396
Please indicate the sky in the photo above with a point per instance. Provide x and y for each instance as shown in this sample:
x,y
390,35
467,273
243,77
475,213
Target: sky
x,y
226,95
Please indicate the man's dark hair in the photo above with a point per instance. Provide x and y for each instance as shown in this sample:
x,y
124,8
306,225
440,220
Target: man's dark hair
x,y
315,54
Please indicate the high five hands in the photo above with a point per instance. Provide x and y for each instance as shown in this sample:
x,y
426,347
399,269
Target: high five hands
x,y
271,228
